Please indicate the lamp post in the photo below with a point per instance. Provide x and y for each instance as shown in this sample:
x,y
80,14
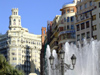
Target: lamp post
x,y
67,66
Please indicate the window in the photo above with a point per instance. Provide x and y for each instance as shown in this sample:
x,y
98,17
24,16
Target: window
x,y
78,37
37,43
94,17
85,5
72,10
14,13
72,18
87,24
88,35
78,27
14,19
72,27
63,37
94,27
82,26
81,7
73,35
90,3
60,28
44,32
87,15
14,58
95,37
67,19
82,36
67,26
13,53
99,4
64,27
68,35
64,19
67,10
82,16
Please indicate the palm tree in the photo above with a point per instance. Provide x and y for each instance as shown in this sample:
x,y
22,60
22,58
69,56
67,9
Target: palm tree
x,y
7,69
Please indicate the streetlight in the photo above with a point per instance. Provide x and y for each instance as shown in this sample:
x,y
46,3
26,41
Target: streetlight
x,y
73,58
62,54
67,66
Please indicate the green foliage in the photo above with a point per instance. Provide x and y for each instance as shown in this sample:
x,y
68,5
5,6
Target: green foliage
x,y
7,69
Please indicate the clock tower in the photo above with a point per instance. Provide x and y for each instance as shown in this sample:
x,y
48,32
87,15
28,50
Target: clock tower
x,y
14,20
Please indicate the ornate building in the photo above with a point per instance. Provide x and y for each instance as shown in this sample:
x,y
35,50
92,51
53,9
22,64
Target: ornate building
x,y
21,48
63,27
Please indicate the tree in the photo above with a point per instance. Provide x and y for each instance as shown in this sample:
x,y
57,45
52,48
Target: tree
x,y
7,69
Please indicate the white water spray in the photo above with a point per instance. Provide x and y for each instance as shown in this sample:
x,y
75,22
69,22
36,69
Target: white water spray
x,y
87,63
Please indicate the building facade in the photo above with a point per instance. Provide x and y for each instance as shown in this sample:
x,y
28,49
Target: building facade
x,y
63,27
96,20
42,54
78,20
84,20
67,24
54,33
21,48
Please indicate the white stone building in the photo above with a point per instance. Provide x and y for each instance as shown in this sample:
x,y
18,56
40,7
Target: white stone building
x,y
21,48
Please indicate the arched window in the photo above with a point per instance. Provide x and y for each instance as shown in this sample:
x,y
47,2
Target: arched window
x,y
44,32
14,19
14,13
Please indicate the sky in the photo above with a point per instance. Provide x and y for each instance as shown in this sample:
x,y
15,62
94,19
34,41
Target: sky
x,y
34,13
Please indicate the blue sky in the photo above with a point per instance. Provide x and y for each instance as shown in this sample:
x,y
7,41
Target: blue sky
x,y
34,13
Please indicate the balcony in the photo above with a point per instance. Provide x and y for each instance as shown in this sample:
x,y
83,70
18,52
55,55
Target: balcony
x,y
5,46
54,45
61,25
65,32
52,38
53,30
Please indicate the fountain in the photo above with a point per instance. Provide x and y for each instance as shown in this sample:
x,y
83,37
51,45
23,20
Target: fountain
x,y
87,63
